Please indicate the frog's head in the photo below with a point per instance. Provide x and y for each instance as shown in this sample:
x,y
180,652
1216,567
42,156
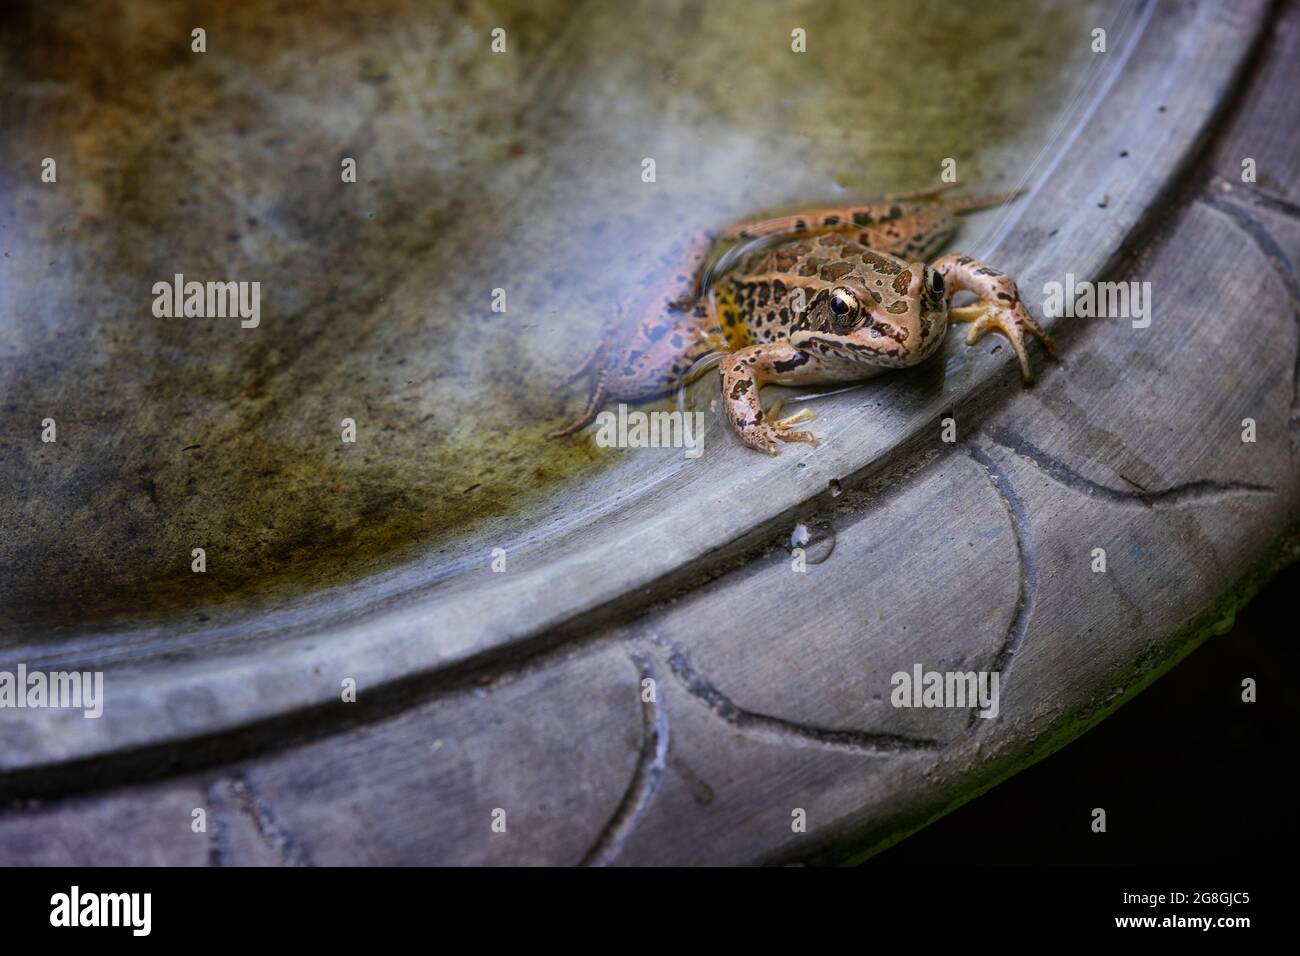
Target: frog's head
x,y
878,315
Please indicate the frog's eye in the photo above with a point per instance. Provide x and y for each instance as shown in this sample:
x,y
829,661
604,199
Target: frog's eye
x,y
936,282
844,303
844,310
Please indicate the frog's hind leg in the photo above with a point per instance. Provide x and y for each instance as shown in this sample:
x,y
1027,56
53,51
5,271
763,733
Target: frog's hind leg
x,y
929,192
666,351
596,359
812,221
585,365
650,384
896,208
598,395
964,204
609,334
961,204
925,227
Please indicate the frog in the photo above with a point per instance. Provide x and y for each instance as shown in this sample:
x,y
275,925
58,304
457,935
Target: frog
x,y
822,296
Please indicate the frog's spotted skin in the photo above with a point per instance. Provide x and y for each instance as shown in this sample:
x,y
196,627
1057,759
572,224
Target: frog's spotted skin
x,y
824,296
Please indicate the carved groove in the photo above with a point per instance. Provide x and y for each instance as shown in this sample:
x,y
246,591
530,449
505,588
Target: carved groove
x,y
1263,200
1018,518
218,854
784,731
645,779
255,807
1191,492
1270,250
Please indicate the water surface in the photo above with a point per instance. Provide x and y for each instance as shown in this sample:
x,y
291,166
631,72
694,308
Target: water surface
x,y
519,171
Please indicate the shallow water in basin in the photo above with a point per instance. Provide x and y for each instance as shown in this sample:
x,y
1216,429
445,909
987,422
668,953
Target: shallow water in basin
x,y
518,171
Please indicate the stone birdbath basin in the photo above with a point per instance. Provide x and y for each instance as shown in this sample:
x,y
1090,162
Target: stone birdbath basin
x,y
388,643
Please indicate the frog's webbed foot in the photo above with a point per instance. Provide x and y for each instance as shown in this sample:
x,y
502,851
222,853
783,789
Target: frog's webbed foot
x,y
1014,323
764,435
1000,308
743,374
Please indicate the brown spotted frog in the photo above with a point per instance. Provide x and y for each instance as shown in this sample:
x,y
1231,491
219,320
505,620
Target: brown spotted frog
x,y
813,298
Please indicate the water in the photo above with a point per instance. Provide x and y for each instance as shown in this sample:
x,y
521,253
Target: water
x,y
476,172
816,537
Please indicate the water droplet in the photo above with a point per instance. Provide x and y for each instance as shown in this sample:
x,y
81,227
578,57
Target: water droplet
x,y
817,538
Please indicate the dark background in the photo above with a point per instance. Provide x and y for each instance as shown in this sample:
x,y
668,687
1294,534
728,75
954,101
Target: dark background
x,y
1186,772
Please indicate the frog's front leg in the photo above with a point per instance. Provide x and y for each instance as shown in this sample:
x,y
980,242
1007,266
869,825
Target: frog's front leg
x,y
1000,308
748,370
